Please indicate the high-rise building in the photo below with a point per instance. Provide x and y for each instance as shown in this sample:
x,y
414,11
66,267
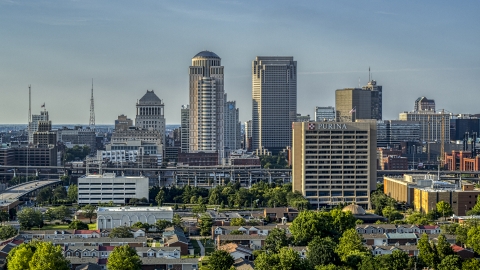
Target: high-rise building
x,y
184,128
274,102
359,103
334,162
123,123
247,141
233,128
36,119
391,133
424,104
150,114
430,125
324,114
207,103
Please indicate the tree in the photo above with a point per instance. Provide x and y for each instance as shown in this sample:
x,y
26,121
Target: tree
x,y
321,251
444,209
160,198
89,211
220,260
121,232
236,232
398,260
350,244
237,222
443,247
7,231
145,226
473,238
205,225
72,193
78,225
471,264
124,258
309,224
59,193
450,262
61,213
391,213
290,259
476,209
276,239
417,218
48,256
44,194
4,216
19,257
29,218
427,252
162,224
177,220
37,255
266,261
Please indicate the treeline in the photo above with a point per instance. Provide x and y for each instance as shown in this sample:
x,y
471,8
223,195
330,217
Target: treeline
x,y
333,243
232,195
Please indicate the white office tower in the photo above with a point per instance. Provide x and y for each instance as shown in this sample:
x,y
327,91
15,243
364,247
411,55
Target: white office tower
x,y
274,102
324,114
233,128
150,114
207,103
33,125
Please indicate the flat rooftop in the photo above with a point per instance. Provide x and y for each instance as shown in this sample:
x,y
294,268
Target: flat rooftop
x,y
133,209
112,175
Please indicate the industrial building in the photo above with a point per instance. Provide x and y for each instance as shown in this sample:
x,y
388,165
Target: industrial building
x,y
112,217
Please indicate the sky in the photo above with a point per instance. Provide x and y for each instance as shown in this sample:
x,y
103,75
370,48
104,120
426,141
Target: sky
x,y
414,48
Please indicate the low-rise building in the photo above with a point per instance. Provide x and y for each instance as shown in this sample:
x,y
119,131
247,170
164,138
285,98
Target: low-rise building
x,y
109,187
112,217
252,241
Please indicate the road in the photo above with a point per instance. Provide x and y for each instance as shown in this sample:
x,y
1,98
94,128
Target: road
x,y
13,194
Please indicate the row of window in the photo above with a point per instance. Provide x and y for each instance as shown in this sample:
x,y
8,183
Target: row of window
x,y
333,193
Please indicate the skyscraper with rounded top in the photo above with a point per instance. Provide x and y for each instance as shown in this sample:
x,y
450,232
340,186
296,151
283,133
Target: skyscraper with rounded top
x,y
207,103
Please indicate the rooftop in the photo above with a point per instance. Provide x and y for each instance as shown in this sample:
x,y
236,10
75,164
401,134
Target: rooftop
x,y
133,209
207,54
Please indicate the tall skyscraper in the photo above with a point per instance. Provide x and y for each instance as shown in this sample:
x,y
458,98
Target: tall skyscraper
x,y
274,102
359,103
247,141
233,128
184,128
324,114
150,114
207,103
36,119
424,104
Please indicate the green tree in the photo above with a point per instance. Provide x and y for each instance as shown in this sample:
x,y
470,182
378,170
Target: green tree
x,y
78,225
220,260
237,222
309,224
162,224
89,211
473,238
236,232
290,259
140,225
206,223
4,216
321,251
48,256
391,213
29,218
61,213
443,247
476,209
342,221
160,198
398,260
276,239
124,258
177,220
471,264
350,244
450,262
7,231
444,209
417,218
72,193
427,252
266,261
121,232
59,193
44,194
20,256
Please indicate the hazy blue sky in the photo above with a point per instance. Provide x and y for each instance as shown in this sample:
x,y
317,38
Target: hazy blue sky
x,y
414,48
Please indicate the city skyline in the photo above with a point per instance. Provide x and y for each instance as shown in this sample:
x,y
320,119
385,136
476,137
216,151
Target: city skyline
x,y
413,49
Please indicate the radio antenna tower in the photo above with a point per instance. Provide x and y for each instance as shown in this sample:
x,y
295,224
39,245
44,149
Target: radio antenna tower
x,y
92,111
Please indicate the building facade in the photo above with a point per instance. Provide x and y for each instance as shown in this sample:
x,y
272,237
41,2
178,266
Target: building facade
x,y
185,128
324,114
376,97
334,162
207,104
233,128
274,102
33,125
150,114
107,187
78,135
391,133
247,141
424,104
431,124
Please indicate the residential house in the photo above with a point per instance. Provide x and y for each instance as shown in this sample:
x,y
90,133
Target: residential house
x,y
237,251
252,241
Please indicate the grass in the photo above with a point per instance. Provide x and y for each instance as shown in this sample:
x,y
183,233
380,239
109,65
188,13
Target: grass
x,y
196,247
53,227
209,246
